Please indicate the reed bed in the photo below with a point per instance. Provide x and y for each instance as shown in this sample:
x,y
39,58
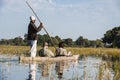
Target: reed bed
x,y
6,49
13,49
95,51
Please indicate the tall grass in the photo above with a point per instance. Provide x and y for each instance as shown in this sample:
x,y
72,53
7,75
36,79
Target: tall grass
x,y
95,51
4,49
13,49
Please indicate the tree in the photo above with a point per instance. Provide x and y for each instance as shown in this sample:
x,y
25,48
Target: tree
x,y
69,42
55,41
116,42
99,43
18,41
46,38
92,43
41,39
112,37
3,41
79,41
58,38
82,42
108,37
25,39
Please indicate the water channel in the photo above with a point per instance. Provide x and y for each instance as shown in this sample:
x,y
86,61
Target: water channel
x,y
86,68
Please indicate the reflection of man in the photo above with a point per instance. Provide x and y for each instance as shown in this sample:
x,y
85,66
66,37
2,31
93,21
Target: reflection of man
x,y
32,73
59,69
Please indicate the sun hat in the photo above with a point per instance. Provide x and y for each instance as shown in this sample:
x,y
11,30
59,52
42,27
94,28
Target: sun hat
x,y
32,18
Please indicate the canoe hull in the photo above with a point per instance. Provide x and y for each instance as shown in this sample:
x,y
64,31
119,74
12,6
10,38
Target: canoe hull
x,y
42,59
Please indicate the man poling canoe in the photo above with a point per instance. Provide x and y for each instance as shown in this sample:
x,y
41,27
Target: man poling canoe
x,y
32,35
33,41
33,49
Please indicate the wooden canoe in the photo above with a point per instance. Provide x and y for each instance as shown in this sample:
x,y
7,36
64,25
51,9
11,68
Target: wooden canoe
x,y
54,59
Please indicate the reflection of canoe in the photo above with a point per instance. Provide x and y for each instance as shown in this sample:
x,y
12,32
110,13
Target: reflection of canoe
x,y
42,59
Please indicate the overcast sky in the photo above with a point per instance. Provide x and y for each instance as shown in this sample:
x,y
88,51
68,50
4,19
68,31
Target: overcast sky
x,y
65,18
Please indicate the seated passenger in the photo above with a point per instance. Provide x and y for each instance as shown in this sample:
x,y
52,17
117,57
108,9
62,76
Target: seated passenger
x,y
45,52
61,51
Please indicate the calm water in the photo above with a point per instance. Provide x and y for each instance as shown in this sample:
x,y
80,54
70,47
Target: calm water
x,y
84,69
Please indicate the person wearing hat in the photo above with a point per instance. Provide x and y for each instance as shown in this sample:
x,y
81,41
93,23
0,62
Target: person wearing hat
x,y
32,35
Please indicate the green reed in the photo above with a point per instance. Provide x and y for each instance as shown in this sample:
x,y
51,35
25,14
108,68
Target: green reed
x,y
82,51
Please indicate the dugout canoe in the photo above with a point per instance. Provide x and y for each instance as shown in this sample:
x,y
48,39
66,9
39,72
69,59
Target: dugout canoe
x,y
53,59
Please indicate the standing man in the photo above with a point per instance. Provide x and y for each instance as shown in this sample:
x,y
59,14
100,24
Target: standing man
x,y
32,35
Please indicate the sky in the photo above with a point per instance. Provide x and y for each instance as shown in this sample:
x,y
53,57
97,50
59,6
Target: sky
x,y
65,18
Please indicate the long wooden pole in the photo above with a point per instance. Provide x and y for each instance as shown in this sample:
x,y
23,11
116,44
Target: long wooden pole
x,y
40,22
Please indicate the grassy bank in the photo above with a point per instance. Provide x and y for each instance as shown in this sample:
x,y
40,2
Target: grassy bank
x,y
87,51
105,53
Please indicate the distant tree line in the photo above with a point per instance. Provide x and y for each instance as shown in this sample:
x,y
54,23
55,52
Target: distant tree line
x,y
80,42
111,39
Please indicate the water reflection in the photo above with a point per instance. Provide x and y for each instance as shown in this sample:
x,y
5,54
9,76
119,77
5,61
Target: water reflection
x,y
109,70
59,67
85,69
89,68
32,71
45,70
116,68
4,71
